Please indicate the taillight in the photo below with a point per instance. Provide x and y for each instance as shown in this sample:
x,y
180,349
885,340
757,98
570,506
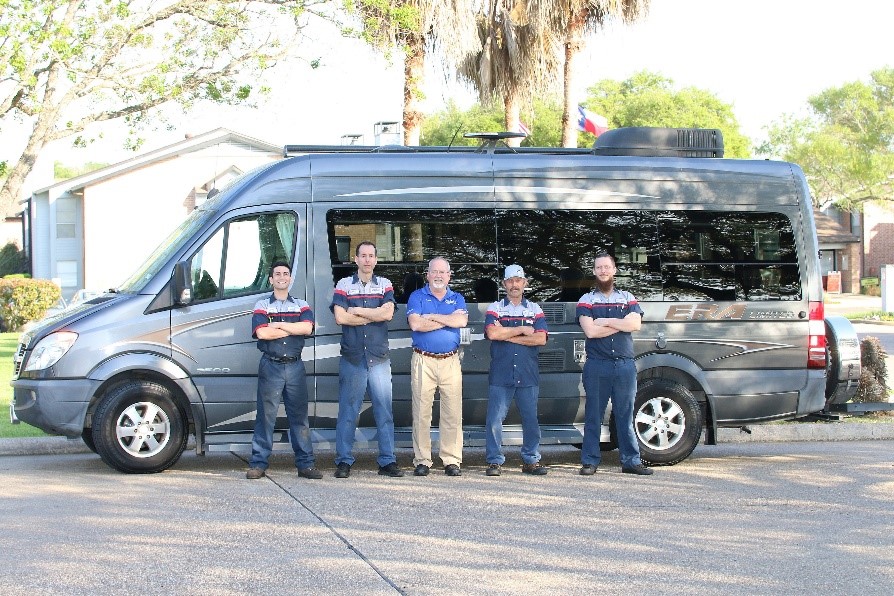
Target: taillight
x,y
816,345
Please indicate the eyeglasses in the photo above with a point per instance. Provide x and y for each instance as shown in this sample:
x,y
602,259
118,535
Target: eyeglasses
x,y
438,272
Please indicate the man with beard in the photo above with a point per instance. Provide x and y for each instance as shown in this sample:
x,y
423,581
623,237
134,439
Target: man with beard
x,y
436,314
608,316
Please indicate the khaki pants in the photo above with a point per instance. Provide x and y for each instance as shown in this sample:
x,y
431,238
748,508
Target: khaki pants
x,y
426,375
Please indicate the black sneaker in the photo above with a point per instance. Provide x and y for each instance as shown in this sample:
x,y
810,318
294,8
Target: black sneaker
x,y
342,470
312,473
536,469
391,470
638,469
587,470
452,470
494,470
421,470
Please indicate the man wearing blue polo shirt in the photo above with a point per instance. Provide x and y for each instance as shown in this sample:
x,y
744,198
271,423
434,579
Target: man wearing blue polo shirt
x,y
436,314
608,316
280,323
363,304
516,328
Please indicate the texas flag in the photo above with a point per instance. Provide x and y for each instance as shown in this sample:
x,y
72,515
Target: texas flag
x,y
589,122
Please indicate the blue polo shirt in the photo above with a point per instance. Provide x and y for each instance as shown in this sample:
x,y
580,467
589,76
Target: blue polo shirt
x,y
363,342
423,302
512,364
617,305
270,310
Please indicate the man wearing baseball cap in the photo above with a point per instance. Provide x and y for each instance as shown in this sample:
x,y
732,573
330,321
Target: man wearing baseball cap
x,y
516,328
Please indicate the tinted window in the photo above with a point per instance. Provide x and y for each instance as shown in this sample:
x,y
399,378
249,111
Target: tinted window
x,y
406,240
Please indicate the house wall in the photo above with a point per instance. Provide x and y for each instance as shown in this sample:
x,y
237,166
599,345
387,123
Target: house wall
x,y
127,217
878,238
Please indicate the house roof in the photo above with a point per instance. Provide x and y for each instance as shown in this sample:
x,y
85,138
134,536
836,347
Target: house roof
x,y
829,231
189,145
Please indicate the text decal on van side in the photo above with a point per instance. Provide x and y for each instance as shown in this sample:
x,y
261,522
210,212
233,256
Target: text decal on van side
x,y
704,312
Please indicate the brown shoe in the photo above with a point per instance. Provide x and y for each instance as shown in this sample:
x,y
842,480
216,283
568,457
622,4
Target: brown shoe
x,y
255,473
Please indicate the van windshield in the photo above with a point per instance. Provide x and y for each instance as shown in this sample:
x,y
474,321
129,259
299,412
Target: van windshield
x,y
136,282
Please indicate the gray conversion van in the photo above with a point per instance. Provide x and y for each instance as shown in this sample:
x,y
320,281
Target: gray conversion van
x,y
722,255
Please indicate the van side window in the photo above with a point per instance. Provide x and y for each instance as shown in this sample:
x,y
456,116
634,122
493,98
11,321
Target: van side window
x,y
556,248
236,259
407,239
711,255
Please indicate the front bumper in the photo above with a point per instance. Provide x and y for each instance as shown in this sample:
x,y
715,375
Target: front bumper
x,y
57,407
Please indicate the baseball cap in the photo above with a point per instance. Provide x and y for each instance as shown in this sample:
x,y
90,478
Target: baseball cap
x,y
514,271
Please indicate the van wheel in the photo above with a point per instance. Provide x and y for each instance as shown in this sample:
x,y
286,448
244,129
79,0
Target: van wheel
x,y
667,420
137,428
87,437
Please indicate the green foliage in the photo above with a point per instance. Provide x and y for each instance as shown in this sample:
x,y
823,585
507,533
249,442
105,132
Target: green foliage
x,y
9,342
650,99
12,260
447,126
64,172
73,64
846,144
24,300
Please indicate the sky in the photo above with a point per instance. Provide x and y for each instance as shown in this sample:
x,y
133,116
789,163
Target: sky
x,y
765,57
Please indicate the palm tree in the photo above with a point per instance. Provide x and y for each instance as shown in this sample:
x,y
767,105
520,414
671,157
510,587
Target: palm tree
x,y
417,28
518,57
576,19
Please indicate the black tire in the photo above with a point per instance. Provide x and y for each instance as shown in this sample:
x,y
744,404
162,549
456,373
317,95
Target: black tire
x,y
667,421
137,428
87,437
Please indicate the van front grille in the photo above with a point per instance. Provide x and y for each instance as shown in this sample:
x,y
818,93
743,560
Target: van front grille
x,y
17,359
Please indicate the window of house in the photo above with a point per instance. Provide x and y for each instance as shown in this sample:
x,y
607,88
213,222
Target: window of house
x,y
66,218
236,259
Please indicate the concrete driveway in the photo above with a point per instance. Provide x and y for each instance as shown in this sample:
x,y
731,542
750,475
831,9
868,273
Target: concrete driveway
x,y
755,518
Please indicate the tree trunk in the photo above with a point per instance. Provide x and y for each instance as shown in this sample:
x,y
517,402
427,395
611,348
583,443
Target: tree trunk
x,y
511,109
573,45
41,134
414,72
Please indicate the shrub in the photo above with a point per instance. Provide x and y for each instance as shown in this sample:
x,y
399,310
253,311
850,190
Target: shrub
x,y
12,260
24,300
873,384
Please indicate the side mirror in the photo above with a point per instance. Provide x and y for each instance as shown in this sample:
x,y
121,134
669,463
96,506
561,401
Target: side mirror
x,y
181,284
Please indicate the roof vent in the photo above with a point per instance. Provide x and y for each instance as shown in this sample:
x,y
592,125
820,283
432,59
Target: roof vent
x,y
660,142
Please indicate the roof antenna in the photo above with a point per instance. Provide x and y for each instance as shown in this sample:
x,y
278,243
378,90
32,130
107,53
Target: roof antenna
x,y
490,140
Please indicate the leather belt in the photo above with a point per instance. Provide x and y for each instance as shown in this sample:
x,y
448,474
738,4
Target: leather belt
x,y
433,355
282,359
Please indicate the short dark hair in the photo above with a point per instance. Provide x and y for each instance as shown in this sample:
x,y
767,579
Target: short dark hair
x,y
603,254
280,263
366,243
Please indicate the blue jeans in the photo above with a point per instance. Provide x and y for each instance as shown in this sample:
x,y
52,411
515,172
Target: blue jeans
x,y
615,380
498,402
354,380
284,382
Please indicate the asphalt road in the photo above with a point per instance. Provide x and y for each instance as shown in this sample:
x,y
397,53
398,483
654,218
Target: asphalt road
x,y
749,518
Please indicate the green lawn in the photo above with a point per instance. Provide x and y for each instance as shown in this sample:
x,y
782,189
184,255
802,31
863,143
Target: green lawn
x,y
8,344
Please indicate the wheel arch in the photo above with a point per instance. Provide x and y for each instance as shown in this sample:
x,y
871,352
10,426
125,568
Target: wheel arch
x,y
148,367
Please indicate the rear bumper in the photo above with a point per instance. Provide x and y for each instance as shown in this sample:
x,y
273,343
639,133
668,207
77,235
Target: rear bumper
x,y
57,407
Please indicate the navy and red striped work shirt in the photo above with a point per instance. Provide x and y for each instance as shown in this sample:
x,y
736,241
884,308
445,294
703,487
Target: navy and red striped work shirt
x,y
617,305
363,342
291,310
512,364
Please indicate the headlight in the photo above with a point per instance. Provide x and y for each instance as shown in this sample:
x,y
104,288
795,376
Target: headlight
x,y
50,349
